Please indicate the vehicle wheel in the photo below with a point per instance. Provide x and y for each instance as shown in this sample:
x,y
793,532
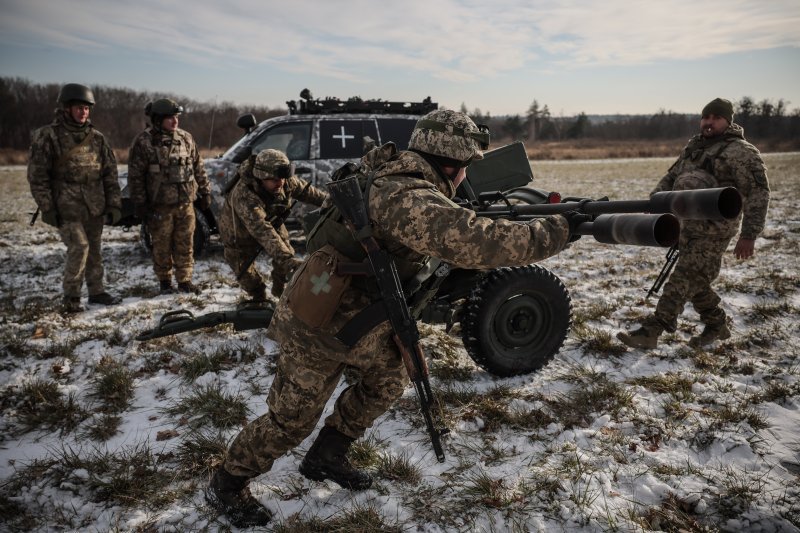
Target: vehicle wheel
x,y
516,320
202,234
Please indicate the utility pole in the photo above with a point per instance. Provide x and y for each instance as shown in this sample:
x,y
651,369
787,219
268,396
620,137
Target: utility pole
x,y
213,112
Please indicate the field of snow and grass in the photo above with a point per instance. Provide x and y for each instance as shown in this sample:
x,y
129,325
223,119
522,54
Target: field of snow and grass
x,y
100,432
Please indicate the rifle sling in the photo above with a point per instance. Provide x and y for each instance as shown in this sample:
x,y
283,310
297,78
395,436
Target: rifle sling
x,y
371,316
362,323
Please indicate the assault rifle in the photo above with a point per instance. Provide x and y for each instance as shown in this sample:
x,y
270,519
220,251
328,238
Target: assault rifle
x,y
348,198
247,316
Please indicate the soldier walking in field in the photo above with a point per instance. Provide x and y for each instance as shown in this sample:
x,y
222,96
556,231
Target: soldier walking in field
x,y
72,173
408,197
718,156
253,220
166,176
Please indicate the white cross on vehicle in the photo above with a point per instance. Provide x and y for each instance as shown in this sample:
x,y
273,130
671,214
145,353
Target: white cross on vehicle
x,y
342,136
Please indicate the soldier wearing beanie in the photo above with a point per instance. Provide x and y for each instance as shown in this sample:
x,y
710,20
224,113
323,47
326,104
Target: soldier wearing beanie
x,y
719,156
720,107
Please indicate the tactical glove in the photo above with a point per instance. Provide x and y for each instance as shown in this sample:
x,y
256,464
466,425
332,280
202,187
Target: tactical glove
x,y
204,202
52,218
140,210
113,215
575,219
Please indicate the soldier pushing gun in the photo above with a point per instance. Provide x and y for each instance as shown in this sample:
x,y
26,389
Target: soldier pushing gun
x,y
323,321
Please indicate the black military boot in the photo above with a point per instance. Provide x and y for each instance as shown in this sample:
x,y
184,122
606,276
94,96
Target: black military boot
x,y
166,287
645,337
189,287
711,333
327,459
257,295
72,304
231,496
104,298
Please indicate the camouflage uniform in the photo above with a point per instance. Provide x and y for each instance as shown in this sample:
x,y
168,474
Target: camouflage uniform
x,y
413,217
247,225
166,174
73,171
724,161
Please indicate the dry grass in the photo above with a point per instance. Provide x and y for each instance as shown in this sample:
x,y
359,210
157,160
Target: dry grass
x,y
569,448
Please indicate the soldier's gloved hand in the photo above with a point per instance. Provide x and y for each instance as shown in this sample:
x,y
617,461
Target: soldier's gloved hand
x,y
52,218
575,219
204,202
113,215
140,210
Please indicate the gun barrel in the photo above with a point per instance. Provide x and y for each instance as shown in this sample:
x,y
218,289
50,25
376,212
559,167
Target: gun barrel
x,y
637,230
711,204
706,204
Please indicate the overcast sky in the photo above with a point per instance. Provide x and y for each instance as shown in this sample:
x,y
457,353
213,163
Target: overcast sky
x,y
609,56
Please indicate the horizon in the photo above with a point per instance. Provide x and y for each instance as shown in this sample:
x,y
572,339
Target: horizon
x,y
609,59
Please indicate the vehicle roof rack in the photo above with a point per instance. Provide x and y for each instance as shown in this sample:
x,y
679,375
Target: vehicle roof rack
x,y
311,106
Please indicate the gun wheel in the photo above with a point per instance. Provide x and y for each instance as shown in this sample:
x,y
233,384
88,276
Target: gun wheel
x,y
516,320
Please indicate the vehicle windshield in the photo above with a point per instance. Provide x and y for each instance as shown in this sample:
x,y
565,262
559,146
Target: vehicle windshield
x,y
239,146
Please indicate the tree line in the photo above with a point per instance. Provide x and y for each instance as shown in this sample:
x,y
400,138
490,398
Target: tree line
x,y
765,119
119,114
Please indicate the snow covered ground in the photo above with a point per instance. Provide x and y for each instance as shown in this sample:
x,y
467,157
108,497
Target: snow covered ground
x,y
100,432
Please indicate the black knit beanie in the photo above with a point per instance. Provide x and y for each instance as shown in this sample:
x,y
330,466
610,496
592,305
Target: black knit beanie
x,y
720,107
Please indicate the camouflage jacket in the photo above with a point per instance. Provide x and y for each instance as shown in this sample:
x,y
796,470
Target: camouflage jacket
x,y
165,168
413,218
412,214
252,215
733,162
71,173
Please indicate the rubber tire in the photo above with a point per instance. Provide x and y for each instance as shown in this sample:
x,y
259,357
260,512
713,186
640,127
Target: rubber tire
x,y
535,301
202,234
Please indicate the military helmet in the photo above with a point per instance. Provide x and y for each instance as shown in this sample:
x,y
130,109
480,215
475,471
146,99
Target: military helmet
x,y
75,92
272,164
450,134
163,107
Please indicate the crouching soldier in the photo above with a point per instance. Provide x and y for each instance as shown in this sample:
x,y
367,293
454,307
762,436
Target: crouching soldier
x,y
252,220
73,178
324,320
166,176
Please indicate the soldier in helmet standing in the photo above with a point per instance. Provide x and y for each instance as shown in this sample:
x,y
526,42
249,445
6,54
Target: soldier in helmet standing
x,y
253,216
73,178
718,156
409,204
166,176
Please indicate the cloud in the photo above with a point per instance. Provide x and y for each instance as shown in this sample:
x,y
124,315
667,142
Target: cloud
x,y
452,40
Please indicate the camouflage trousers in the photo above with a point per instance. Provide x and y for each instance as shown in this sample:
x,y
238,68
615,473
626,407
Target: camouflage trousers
x,y
84,258
698,265
250,280
304,381
172,234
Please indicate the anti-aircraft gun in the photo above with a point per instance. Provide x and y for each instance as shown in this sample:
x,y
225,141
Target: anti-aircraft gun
x,y
515,319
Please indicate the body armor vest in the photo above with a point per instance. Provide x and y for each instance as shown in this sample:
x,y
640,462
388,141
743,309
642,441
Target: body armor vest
x,y
330,229
79,161
173,159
